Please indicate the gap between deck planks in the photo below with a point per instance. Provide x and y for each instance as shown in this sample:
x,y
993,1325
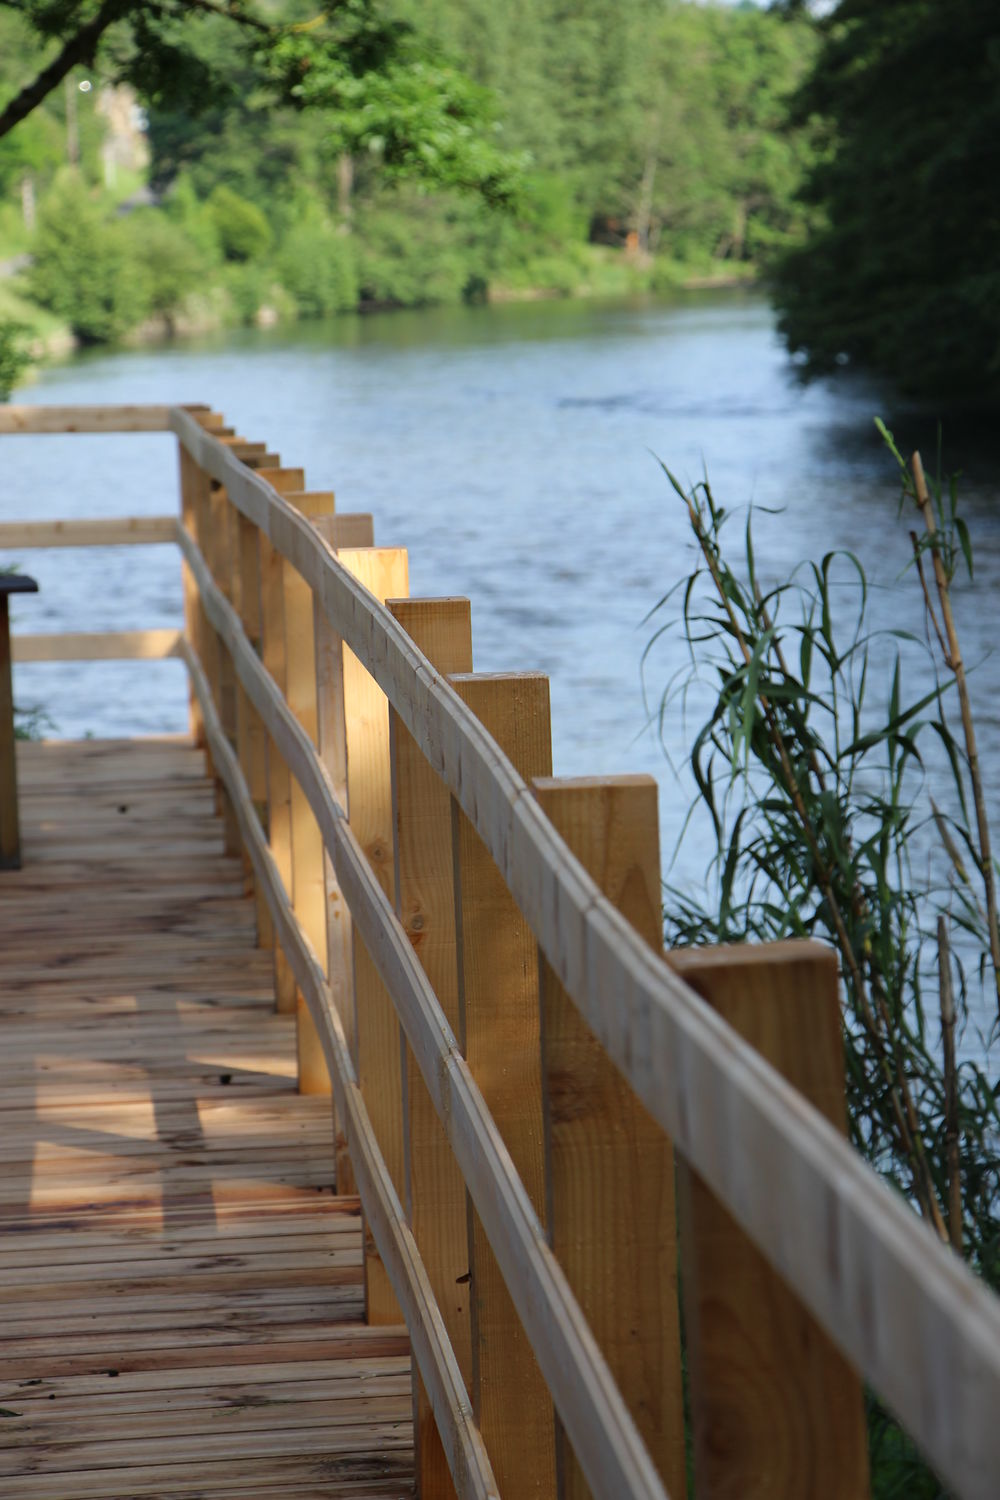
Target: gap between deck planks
x,y
180,1287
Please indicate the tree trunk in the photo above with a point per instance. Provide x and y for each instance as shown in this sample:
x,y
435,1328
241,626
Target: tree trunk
x,y
345,184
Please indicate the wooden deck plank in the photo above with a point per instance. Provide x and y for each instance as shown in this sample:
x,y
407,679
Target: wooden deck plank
x,y
180,1287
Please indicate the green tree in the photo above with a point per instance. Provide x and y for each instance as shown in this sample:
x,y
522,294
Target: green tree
x,y
900,274
316,264
83,270
241,228
384,90
172,263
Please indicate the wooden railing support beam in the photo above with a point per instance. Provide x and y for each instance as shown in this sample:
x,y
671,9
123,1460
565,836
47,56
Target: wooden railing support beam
x,y
609,1165
777,1410
220,560
425,902
339,531
308,864
384,571
252,735
271,566
10,828
500,1038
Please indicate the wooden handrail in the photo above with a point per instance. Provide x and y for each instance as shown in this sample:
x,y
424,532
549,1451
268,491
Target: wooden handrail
x,y
53,419
903,1310
124,531
103,645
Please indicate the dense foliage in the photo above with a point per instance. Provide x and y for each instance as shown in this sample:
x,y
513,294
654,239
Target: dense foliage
x,y
13,359
441,149
900,273
388,152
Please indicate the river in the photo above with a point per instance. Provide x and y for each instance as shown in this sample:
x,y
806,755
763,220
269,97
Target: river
x,y
514,450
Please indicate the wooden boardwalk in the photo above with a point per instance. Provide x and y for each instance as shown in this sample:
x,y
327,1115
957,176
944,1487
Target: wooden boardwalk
x,y
180,1287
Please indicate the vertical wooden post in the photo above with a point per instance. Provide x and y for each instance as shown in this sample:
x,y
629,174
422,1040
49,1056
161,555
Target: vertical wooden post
x,y
338,531
348,529
610,1168
253,735
274,658
187,487
385,572
777,1411
308,879
194,517
219,558
242,704
209,649
10,828
499,1009
425,902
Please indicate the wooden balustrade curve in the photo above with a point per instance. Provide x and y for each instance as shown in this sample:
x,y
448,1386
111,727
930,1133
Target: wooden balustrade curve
x,y
901,1309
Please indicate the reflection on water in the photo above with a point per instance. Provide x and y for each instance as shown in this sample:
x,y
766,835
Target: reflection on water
x,y
514,451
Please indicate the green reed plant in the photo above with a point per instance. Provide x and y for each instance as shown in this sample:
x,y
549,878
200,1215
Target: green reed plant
x,y
810,764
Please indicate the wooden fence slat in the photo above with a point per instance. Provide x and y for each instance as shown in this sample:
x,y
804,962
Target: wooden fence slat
x,y
243,708
100,645
109,531
220,560
274,657
332,742
49,419
344,530
610,1167
308,877
187,481
254,765
245,450
777,1411
208,644
348,529
499,1036
10,830
425,901
384,571
283,480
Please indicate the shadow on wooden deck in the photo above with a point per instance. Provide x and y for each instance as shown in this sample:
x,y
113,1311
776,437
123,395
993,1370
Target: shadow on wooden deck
x,y
181,1301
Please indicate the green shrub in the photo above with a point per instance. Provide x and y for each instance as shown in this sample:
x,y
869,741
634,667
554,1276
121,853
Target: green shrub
x,y
415,251
184,208
173,264
242,229
317,266
249,288
14,359
548,211
84,269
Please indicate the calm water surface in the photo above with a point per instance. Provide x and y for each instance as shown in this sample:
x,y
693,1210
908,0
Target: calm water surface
x,y
514,451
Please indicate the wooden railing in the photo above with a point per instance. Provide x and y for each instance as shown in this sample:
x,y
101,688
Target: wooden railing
x,y
511,1124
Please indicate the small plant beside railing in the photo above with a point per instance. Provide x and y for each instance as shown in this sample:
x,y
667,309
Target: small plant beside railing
x,y
819,797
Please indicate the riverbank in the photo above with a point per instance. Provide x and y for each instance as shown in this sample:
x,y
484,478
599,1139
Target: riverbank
x,y
597,272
